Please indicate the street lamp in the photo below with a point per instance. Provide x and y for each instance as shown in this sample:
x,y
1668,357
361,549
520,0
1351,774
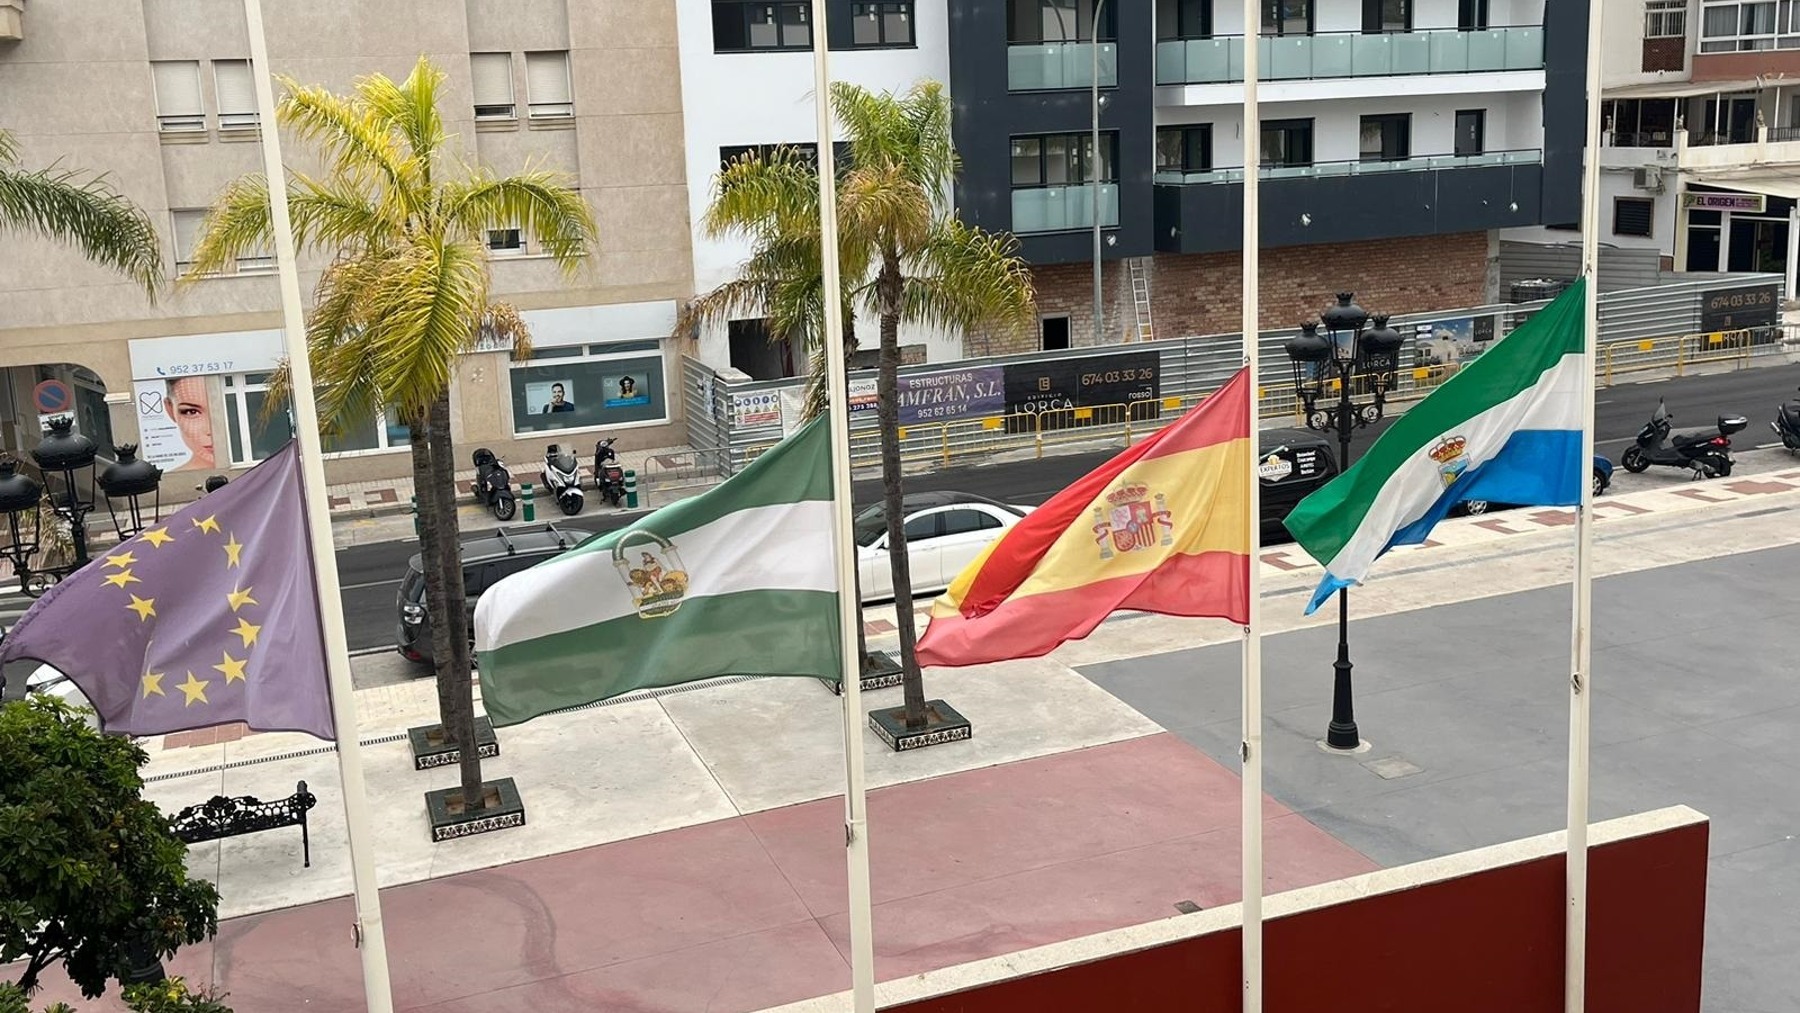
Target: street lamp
x,y
68,453
19,497
125,482
1349,351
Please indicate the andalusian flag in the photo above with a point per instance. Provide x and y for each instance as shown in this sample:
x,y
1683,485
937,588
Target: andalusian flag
x,y
1506,428
738,581
1163,527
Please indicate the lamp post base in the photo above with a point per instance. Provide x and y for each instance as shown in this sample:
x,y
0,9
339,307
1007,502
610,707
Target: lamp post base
x,y
1343,738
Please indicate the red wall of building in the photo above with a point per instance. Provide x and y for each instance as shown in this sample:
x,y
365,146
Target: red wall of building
x,y
1486,943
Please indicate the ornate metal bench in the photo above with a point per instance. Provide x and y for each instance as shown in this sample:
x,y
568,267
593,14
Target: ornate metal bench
x,y
220,817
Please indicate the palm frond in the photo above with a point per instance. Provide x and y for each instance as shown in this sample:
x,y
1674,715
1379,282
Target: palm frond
x,y
409,108
238,223
542,203
355,139
423,305
759,197
83,211
964,278
504,323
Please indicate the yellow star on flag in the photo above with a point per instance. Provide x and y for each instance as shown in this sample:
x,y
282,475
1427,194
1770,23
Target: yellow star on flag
x,y
247,630
208,523
233,549
123,559
158,537
144,607
194,689
232,667
122,578
239,598
152,684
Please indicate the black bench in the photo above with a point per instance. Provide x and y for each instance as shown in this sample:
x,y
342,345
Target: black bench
x,y
220,817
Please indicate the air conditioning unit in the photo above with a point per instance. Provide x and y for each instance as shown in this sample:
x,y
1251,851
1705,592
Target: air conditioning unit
x,y
1650,178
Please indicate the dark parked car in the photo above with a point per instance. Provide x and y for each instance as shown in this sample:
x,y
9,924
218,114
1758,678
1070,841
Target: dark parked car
x,y
1293,464
487,556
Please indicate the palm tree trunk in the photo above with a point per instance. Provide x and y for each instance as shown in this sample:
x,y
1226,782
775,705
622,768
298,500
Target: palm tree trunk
x,y
461,718
893,495
430,545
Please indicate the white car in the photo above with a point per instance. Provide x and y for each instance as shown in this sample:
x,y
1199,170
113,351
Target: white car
x,y
945,531
47,681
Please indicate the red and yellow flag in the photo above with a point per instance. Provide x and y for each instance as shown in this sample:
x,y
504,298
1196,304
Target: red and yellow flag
x,y
1163,527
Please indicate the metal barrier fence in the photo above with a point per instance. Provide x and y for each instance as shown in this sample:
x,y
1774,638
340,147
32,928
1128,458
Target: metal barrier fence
x,y
1681,351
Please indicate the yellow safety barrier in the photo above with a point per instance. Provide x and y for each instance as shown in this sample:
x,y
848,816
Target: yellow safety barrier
x,y
1675,351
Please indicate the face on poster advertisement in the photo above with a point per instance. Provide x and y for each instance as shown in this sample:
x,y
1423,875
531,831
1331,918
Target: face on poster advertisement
x,y
175,423
551,398
624,391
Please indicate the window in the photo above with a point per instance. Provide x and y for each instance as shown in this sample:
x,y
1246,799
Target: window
x,y
236,94
259,261
588,386
1471,131
964,522
1665,19
1062,160
254,431
1633,216
1184,19
178,105
491,74
924,526
1385,138
1386,16
1287,17
840,152
1287,142
741,26
547,86
1184,149
1473,14
1035,21
1740,27
187,236
506,242
881,25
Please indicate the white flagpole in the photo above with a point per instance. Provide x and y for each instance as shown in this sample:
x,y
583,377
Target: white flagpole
x,y
371,941
856,812
1251,748
1581,686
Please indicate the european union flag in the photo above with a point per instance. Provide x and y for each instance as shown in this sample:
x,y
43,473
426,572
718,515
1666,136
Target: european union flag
x,y
210,617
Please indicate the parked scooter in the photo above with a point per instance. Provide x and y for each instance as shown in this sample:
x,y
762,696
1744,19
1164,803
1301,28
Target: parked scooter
x,y
562,478
609,477
493,485
1705,452
1787,424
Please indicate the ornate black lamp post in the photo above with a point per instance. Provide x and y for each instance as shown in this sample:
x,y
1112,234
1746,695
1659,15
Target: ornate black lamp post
x,y
63,456
126,482
19,497
1349,351
67,454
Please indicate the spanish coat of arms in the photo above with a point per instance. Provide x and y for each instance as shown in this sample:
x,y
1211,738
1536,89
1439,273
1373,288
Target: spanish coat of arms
x,y
1130,519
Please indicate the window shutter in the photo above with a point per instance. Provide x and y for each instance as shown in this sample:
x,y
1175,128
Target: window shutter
x,y
187,235
492,78
237,93
178,105
547,84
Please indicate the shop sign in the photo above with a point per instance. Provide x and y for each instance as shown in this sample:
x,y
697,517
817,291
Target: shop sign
x,y
1749,203
950,394
1054,387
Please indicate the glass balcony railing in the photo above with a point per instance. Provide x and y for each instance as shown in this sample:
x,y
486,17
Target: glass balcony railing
x,y
1053,66
1349,54
1322,170
1061,208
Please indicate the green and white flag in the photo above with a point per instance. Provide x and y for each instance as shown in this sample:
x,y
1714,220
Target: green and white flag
x,y
737,581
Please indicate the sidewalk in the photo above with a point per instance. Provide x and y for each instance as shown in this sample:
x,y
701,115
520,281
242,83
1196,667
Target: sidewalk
x,y
394,495
684,849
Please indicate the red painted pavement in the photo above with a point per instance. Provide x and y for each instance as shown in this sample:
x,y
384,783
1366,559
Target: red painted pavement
x,y
746,913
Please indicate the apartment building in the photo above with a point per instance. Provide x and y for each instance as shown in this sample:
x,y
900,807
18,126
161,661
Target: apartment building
x,y
1702,132
157,94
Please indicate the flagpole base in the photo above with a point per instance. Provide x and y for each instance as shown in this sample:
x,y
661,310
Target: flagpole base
x,y
449,820
942,724
879,671
433,748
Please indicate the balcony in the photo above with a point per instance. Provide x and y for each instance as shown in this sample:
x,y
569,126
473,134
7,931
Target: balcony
x,y
1220,60
1765,148
1342,202
1059,66
1063,208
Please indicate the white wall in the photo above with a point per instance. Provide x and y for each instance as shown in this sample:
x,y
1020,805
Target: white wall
x,y
767,98
1614,183
1622,45
1514,122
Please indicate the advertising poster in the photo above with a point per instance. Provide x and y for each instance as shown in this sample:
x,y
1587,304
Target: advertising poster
x,y
1053,388
551,397
950,395
175,424
625,390
1737,308
862,395
758,408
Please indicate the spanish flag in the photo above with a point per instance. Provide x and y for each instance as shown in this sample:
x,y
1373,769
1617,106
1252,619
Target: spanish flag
x,y
1163,527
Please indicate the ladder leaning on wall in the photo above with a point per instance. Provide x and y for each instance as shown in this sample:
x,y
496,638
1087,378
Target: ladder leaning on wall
x,y
1140,298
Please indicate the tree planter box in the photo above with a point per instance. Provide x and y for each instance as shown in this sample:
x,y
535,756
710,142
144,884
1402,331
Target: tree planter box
x,y
942,724
879,671
431,748
450,821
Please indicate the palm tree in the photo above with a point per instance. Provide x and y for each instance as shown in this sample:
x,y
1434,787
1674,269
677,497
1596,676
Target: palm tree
x,y
84,211
405,293
904,256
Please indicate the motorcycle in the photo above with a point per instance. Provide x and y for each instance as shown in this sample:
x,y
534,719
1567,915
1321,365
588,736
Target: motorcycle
x,y
1787,424
562,478
1705,452
493,485
609,477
